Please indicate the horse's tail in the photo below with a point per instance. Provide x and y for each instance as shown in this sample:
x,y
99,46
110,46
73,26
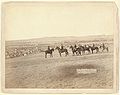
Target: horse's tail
x,y
107,49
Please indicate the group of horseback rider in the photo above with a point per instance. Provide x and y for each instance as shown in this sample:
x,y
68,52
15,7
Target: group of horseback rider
x,y
80,49
60,50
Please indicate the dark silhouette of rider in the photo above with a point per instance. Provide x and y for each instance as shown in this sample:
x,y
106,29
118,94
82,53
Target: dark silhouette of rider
x,y
62,47
103,45
75,46
48,47
93,45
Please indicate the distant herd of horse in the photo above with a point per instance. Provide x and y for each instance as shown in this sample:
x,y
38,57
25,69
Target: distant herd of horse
x,y
77,50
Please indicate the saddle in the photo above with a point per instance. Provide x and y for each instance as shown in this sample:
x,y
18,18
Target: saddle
x,y
74,48
62,50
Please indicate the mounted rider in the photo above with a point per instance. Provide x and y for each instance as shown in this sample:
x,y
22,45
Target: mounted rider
x,y
48,47
93,45
62,47
103,45
75,46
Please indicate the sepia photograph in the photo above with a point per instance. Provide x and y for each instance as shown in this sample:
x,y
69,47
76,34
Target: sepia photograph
x,y
60,45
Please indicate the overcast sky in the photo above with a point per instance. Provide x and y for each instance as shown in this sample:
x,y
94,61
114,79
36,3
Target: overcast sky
x,y
35,20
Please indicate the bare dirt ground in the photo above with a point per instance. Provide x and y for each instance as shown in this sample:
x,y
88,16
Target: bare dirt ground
x,y
35,71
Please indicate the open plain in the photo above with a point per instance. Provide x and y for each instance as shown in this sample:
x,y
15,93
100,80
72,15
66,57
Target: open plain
x,y
36,71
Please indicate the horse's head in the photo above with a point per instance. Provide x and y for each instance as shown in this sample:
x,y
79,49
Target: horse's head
x,y
57,48
71,46
52,49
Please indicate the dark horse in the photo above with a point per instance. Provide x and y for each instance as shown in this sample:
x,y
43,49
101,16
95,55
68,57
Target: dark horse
x,y
94,48
78,50
49,52
74,50
62,51
82,49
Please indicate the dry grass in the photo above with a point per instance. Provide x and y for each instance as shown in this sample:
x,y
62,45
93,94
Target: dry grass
x,y
35,71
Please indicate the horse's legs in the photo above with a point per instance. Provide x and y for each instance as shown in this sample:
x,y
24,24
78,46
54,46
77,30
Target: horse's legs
x,y
60,54
103,49
51,55
92,51
73,53
76,53
89,51
67,53
83,51
80,52
96,50
45,55
107,49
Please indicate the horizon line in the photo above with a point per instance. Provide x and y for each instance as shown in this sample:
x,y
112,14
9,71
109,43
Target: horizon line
x,y
53,37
